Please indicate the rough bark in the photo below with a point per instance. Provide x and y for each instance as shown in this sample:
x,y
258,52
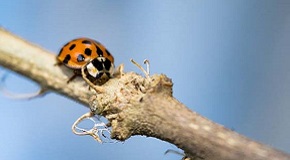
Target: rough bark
x,y
135,105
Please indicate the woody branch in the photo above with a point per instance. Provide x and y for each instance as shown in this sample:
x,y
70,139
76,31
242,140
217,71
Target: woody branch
x,y
135,105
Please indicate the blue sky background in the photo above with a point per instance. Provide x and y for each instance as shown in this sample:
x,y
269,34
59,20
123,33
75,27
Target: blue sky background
x,y
229,61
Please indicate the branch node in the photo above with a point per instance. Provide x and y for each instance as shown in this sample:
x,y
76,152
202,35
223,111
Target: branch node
x,y
123,106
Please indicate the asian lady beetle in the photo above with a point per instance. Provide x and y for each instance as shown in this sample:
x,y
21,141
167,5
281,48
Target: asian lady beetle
x,y
97,61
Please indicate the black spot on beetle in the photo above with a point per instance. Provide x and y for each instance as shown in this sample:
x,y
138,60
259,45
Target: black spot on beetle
x,y
99,51
97,64
72,46
80,58
86,42
66,59
88,51
107,64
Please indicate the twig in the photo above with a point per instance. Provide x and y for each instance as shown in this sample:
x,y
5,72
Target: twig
x,y
135,105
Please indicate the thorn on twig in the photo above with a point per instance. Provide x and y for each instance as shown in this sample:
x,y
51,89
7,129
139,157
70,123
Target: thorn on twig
x,y
25,96
141,68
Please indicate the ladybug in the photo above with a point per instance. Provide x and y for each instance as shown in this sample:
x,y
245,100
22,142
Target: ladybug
x,y
91,56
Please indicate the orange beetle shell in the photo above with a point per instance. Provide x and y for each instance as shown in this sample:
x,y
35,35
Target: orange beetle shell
x,y
78,52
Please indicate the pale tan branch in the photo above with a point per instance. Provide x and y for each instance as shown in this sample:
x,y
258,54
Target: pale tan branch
x,y
39,65
135,105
